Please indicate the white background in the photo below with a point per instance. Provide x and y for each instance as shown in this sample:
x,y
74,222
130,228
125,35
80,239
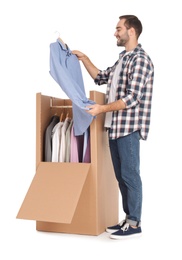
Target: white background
x,y
26,30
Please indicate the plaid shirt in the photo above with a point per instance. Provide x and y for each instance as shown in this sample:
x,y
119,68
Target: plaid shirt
x,y
135,84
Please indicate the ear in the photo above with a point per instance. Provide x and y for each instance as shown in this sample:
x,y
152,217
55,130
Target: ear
x,y
132,32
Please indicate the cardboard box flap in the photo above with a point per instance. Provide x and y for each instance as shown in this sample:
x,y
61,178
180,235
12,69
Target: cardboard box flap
x,y
54,192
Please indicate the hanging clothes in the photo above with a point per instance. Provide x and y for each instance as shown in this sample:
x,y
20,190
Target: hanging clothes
x,y
48,139
86,147
66,71
56,141
74,148
80,141
63,144
68,142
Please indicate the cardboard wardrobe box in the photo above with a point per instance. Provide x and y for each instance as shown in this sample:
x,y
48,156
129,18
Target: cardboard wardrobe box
x,y
80,198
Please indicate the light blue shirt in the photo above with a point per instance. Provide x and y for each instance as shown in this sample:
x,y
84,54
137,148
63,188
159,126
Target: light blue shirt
x,y
66,71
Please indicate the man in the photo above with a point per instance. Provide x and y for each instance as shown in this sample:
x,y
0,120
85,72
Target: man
x,y
127,117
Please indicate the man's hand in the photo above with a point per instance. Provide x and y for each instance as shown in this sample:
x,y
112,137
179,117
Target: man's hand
x,y
95,109
80,55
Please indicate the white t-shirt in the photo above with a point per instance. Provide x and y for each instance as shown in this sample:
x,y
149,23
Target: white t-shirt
x,y
112,93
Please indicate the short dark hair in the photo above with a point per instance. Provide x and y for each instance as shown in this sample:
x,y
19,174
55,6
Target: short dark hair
x,y
132,21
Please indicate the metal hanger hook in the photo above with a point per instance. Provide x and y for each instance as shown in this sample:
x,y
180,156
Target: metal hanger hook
x,y
57,33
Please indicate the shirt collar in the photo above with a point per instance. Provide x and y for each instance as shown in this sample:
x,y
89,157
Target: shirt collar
x,y
138,47
64,46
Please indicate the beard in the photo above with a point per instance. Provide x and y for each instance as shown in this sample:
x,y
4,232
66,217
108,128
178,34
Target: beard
x,y
122,41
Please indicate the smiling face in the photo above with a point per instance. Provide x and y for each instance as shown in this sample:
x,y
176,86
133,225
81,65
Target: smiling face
x,y
125,35
122,33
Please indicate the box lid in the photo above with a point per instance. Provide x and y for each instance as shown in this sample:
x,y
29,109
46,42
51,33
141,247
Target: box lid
x,y
54,192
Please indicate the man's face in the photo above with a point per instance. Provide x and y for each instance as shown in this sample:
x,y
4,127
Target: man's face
x,y
121,33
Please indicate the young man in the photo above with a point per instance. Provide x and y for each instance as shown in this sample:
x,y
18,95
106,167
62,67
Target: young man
x,y
127,117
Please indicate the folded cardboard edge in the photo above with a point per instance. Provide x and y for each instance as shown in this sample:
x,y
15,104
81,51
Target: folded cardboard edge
x,y
54,192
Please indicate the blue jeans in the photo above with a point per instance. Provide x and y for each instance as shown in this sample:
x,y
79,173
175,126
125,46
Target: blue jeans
x,y
125,154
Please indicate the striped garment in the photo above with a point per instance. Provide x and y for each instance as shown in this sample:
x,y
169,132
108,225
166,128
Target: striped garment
x,y
135,85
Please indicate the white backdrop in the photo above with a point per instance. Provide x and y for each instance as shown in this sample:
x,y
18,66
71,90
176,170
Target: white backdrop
x,y
27,29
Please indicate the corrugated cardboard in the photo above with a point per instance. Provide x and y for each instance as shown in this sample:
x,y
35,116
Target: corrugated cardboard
x,y
77,198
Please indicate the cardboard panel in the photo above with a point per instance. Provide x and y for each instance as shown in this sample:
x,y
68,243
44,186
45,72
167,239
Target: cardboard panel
x,y
54,192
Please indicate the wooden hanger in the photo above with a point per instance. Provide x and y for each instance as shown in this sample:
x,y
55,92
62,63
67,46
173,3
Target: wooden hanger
x,y
59,38
61,117
61,41
67,115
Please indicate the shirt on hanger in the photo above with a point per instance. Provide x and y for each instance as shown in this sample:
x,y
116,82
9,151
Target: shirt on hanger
x,y
68,142
66,71
56,141
86,147
48,139
74,157
63,144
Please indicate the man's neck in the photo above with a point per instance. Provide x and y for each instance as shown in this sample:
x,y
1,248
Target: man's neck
x,y
131,46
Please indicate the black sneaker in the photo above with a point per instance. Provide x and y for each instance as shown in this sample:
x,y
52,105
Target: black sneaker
x,y
116,227
126,231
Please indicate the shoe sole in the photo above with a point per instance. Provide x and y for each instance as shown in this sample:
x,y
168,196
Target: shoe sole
x,y
125,237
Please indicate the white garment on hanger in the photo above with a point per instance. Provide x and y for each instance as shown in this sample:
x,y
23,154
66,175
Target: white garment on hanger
x,y
62,152
56,140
